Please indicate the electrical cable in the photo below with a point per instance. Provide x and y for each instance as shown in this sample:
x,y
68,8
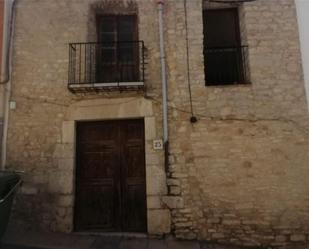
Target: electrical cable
x,y
193,119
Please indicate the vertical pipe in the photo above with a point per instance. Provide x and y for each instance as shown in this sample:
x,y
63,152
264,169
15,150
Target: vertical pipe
x,y
302,8
9,14
163,71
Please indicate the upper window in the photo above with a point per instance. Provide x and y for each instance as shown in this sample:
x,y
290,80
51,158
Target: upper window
x,y
118,58
224,56
113,59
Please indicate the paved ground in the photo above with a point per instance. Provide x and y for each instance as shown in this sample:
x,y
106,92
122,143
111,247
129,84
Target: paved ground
x,y
106,243
40,240
15,239
103,242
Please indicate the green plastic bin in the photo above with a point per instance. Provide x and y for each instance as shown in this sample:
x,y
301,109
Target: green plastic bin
x,y
9,183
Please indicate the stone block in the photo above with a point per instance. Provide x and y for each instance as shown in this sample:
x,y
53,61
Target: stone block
x,y
231,222
213,220
183,224
281,238
218,235
150,128
114,108
153,202
61,212
156,183
68,132
298,238
153,159
173,182
65,201
174,190
179,175
66,164
64,151
173,202
61,182
159,221
28,189
171,159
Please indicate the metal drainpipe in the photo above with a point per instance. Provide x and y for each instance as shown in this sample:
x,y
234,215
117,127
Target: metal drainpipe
x,y
163,71
8,29
164,84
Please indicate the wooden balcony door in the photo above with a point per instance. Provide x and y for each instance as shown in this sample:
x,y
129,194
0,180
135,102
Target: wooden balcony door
x,y
110,176
118,49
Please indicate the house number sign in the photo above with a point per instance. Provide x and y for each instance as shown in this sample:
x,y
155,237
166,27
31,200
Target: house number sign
x,y
158,144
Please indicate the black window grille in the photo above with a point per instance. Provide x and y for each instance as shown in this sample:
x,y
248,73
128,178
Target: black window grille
x,y
98,63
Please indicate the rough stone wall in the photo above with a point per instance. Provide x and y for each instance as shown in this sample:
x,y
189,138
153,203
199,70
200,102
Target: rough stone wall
x,y
239,174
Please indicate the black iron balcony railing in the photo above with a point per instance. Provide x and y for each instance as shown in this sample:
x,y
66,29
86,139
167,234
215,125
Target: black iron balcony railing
x,y
226,65
106,65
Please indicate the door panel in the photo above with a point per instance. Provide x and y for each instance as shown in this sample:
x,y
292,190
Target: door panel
x,y
95,198
134,215
110,176
96,187
134,178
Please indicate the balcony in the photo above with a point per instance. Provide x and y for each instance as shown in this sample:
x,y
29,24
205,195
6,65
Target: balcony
x,y
106,66
226,66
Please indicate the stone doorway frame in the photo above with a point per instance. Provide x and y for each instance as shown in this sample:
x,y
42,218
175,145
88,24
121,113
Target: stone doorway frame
x,y
158,216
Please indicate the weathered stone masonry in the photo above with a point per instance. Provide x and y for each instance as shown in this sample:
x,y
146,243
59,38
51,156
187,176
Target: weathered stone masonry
x,y
241,170
239,175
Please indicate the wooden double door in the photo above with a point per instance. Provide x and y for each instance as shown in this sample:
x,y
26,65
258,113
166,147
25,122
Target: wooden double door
x,y
110,176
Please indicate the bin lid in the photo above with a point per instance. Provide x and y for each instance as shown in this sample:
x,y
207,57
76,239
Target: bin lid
x,y
7,181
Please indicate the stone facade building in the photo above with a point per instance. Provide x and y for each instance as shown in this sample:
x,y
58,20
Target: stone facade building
x,y
238,175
